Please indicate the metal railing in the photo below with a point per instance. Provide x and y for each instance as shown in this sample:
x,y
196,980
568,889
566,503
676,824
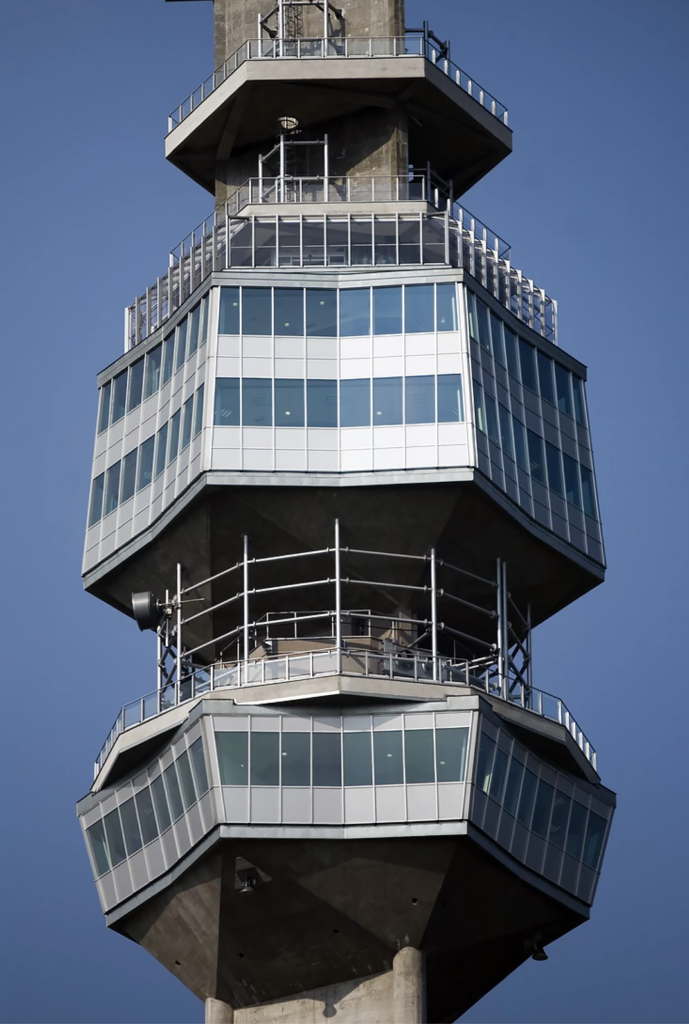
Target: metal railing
x,y
418,667
409,45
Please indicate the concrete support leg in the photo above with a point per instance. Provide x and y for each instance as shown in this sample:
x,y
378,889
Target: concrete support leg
x,y
218,1012
409,987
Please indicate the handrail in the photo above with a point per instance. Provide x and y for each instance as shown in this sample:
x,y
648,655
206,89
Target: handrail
x,y
410,45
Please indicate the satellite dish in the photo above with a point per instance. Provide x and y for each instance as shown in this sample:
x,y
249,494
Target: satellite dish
x,y
147,610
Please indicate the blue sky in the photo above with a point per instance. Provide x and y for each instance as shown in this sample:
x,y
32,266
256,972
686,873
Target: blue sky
x,y
593,201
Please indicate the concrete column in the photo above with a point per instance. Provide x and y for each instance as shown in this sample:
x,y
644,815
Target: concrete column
x,y
218,1012
409,987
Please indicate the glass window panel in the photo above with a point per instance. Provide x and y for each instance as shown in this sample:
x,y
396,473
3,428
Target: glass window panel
x,y
321,403
418,755
327,766
99,849
498,341
161,449
153,366
160,803
187,420
168,356
527,361
104,407
505,431
194,323
514,781
385,234
572,489
595,834
198,411
241,242
289,312
257,315
119,397
147,819
478,407
579,400
129,475
96,506
545,377
226,412
446,307
265,758
497,779
130,827
199,763
173,793
484,767
536,457
355,403
520,444
562,386
511,352
419,312
409,240
482,321
355,312
295,758
471,309
181,346
136,384
112,488
451,754
289,254
203,329
576,830
173,448
419,399
558,823
387,310
321,312
433,240
552,455
186,780
387,758
113,831
542,808
387,400
491,418
358,766
289,403
229,311
450,405
588,492
313,242
526,798
337,242
362,242
233,758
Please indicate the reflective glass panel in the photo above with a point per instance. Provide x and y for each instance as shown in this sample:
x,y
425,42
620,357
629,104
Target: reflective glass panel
x,y
113,831
173,448
446,307
572,480
419,399
562,386
387,400
321,403
265,758
511,352
338,242
168,356
146,451
198,411
545,377
129,475
96,506
130,827
161,449
327,768
289,403
194,324
387,758
514,781
199,763
558,823
491,418
104,407
576,829
433,240
112,488
226,412
579,400
321,312
295,758
595,834
174,795
203,329
355,403
479,410
418,755
160,802
536,457
542,808
484,767
187,417
451,754
505,431
181,346
498,341
147,820
526,798
387,310
482,321
229,311
527,362
419,312
358,770
233,757
257,402
497,779
409,240
587,492
119,397
186,780
136,384
471,308
289,254
362,241
289,312
99,849
385,234
153,366
450,406
520,444
355,312
552,455
257,315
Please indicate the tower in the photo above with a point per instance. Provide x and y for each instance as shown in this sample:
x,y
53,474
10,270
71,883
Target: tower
x,y
341,470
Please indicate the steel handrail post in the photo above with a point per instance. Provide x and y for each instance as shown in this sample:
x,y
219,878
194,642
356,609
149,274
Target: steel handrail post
x,y
338,598
246,605
434,615
178,637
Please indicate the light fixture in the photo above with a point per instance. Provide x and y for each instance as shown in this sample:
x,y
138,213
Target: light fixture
x,y
147,610
288,124
539,954
247,887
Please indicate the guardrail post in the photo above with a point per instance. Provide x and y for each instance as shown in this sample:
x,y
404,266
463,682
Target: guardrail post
x,y
246,606
434,614
178,637
338,599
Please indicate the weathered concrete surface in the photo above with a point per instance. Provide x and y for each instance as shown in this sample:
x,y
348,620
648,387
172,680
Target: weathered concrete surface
x,y
218,1012
409,987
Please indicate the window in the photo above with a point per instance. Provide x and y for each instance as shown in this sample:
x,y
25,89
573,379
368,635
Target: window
x,y
479,408
181,347
265,759
419,399
160,803
385,234
595,834
471,309
572,489
497,779
511,352
113,831
579,400
505,431
575,831
545,377
228,322
362,241
257,402
119,397
491,418
419,311
520,444
526,798
355,312
147,821
514,781
153,365
327,768
387,400
355,403
587,492
542,808
562,387
146,463
187,417
194,324
136,384
536,459
99,849
527,361
174,795
321,312
203,329
96,506
450,406
486,752
161,449
409,240
446,307
130,827
199,763
558,823
358,769
256,312
295,759
168,356
233,758
186,780
338,242
451,754
387,758
173,449
198,411
418,756
129,475
226,413
498,341
289,312
482,321
313,241
387,310
112,488
321,403
289,403
552,455
104,408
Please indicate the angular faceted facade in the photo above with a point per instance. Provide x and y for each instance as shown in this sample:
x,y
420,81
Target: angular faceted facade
x,y
344,467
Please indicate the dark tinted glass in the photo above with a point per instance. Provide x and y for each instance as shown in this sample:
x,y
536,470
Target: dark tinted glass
x,y
168,356
419,311
355,312
173,447
257,402
387,758
527,362
572,481
450,409
418,755
505,431
295,759
226,412
387,310
160,802
451,754
482,321
321,403
153,366
203,329
128,475
520,443
491,418
327,769
579,400
554,468
194,323
511,352
387,400
446,301
146,463
514,781
362,242
498,342
229,311
119,397
187,416
104,407
560,817
161,449
265,758
355,403
358,769
289,312
419,399
595,834
321,312
256,311
96,506
136,384
536,457
199,763
186,780
181,345
173,793
147,821
112,488
542,808
113,831
289,403
587,492
562,386
497,779
198,411
486,753
99,850
130,827
233,758
479,410
545,377
575,830
526,798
